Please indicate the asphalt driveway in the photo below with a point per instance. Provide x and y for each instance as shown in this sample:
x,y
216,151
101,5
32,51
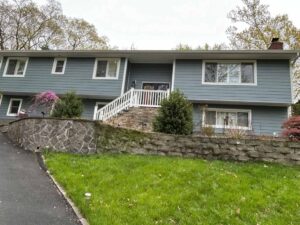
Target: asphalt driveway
x,y
27,195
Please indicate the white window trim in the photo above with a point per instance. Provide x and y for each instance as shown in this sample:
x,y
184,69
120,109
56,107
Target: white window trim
x,y
96,107
106,77
1,98
55,64
230,61
249,111
16,58
9,106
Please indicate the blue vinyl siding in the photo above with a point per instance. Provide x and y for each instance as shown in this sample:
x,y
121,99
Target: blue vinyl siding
x,y
77,77
143,72
273,84
265,119
88,107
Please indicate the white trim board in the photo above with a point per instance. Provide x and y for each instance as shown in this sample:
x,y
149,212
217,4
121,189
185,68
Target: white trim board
x,y
15,58
173,75
228,62
9,106
124,76
106,78
55,65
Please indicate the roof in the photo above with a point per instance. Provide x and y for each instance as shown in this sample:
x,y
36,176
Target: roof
x,y
159,55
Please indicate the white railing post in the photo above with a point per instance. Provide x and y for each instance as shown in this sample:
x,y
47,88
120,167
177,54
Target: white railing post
x,y
131,97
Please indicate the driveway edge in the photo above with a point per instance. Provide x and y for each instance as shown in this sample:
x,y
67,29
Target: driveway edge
x,y
42,164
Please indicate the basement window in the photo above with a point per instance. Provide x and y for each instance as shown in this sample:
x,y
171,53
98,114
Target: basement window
x,y
14,107
227,118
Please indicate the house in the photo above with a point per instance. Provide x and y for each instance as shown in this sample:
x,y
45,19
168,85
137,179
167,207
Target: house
x,y
248,89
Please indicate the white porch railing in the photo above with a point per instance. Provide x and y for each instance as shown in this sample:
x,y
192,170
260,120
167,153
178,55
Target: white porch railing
x,y
132,98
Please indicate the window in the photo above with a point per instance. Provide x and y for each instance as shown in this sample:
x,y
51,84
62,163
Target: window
x,y
227,118
106,69
15,67
59,66
98,106
155,86
14,107
229,73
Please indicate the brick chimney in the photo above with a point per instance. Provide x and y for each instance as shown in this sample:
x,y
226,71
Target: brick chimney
x,y
276,44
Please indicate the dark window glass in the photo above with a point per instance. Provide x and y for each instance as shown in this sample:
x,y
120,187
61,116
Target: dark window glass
x,y
101,69
14,108
59,66
11,66
247,73
210,118
210,72
242,119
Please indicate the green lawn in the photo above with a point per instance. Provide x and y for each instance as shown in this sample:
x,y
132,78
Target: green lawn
x,y
142,190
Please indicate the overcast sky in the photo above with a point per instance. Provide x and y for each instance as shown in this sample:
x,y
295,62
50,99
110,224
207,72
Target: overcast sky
x,y
162,24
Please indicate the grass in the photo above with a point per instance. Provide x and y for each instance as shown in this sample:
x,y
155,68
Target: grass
x,y
142,190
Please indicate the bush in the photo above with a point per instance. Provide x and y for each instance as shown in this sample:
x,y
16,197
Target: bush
x,y
296,109
292,128
175,115
207,131
235,133
69,106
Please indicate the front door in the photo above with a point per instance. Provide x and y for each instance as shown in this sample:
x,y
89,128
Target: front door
x,y
156,86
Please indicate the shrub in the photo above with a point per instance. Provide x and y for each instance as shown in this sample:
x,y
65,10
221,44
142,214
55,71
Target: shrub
x,y
207,131
296,109
46,100
175,116
235,133
69,106
292,128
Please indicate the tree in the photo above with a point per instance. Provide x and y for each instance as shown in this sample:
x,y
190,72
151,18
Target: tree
x,y
79,34
24,25
261,27
68,106
175,115
206,46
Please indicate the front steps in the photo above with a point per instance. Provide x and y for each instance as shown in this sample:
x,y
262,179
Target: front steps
x,y
138,118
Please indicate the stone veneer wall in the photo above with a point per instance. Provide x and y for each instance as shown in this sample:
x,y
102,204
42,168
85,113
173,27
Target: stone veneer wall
x,y
81,136
57,134
138,118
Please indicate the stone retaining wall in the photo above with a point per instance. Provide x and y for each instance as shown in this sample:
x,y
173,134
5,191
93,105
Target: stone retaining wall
x,y
61,135
81,136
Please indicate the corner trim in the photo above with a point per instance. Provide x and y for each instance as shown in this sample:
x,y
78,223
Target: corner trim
x,y
124,76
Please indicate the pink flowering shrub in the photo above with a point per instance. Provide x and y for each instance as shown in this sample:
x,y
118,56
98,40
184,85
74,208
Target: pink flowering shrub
x,y
45,99
292,128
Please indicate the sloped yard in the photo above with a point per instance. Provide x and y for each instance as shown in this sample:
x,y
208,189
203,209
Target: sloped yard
x,y
138,190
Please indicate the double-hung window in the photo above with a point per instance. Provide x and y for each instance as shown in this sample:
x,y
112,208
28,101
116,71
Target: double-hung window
x,y
14,107
59,66
106,68
15,67
227,118
229,73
